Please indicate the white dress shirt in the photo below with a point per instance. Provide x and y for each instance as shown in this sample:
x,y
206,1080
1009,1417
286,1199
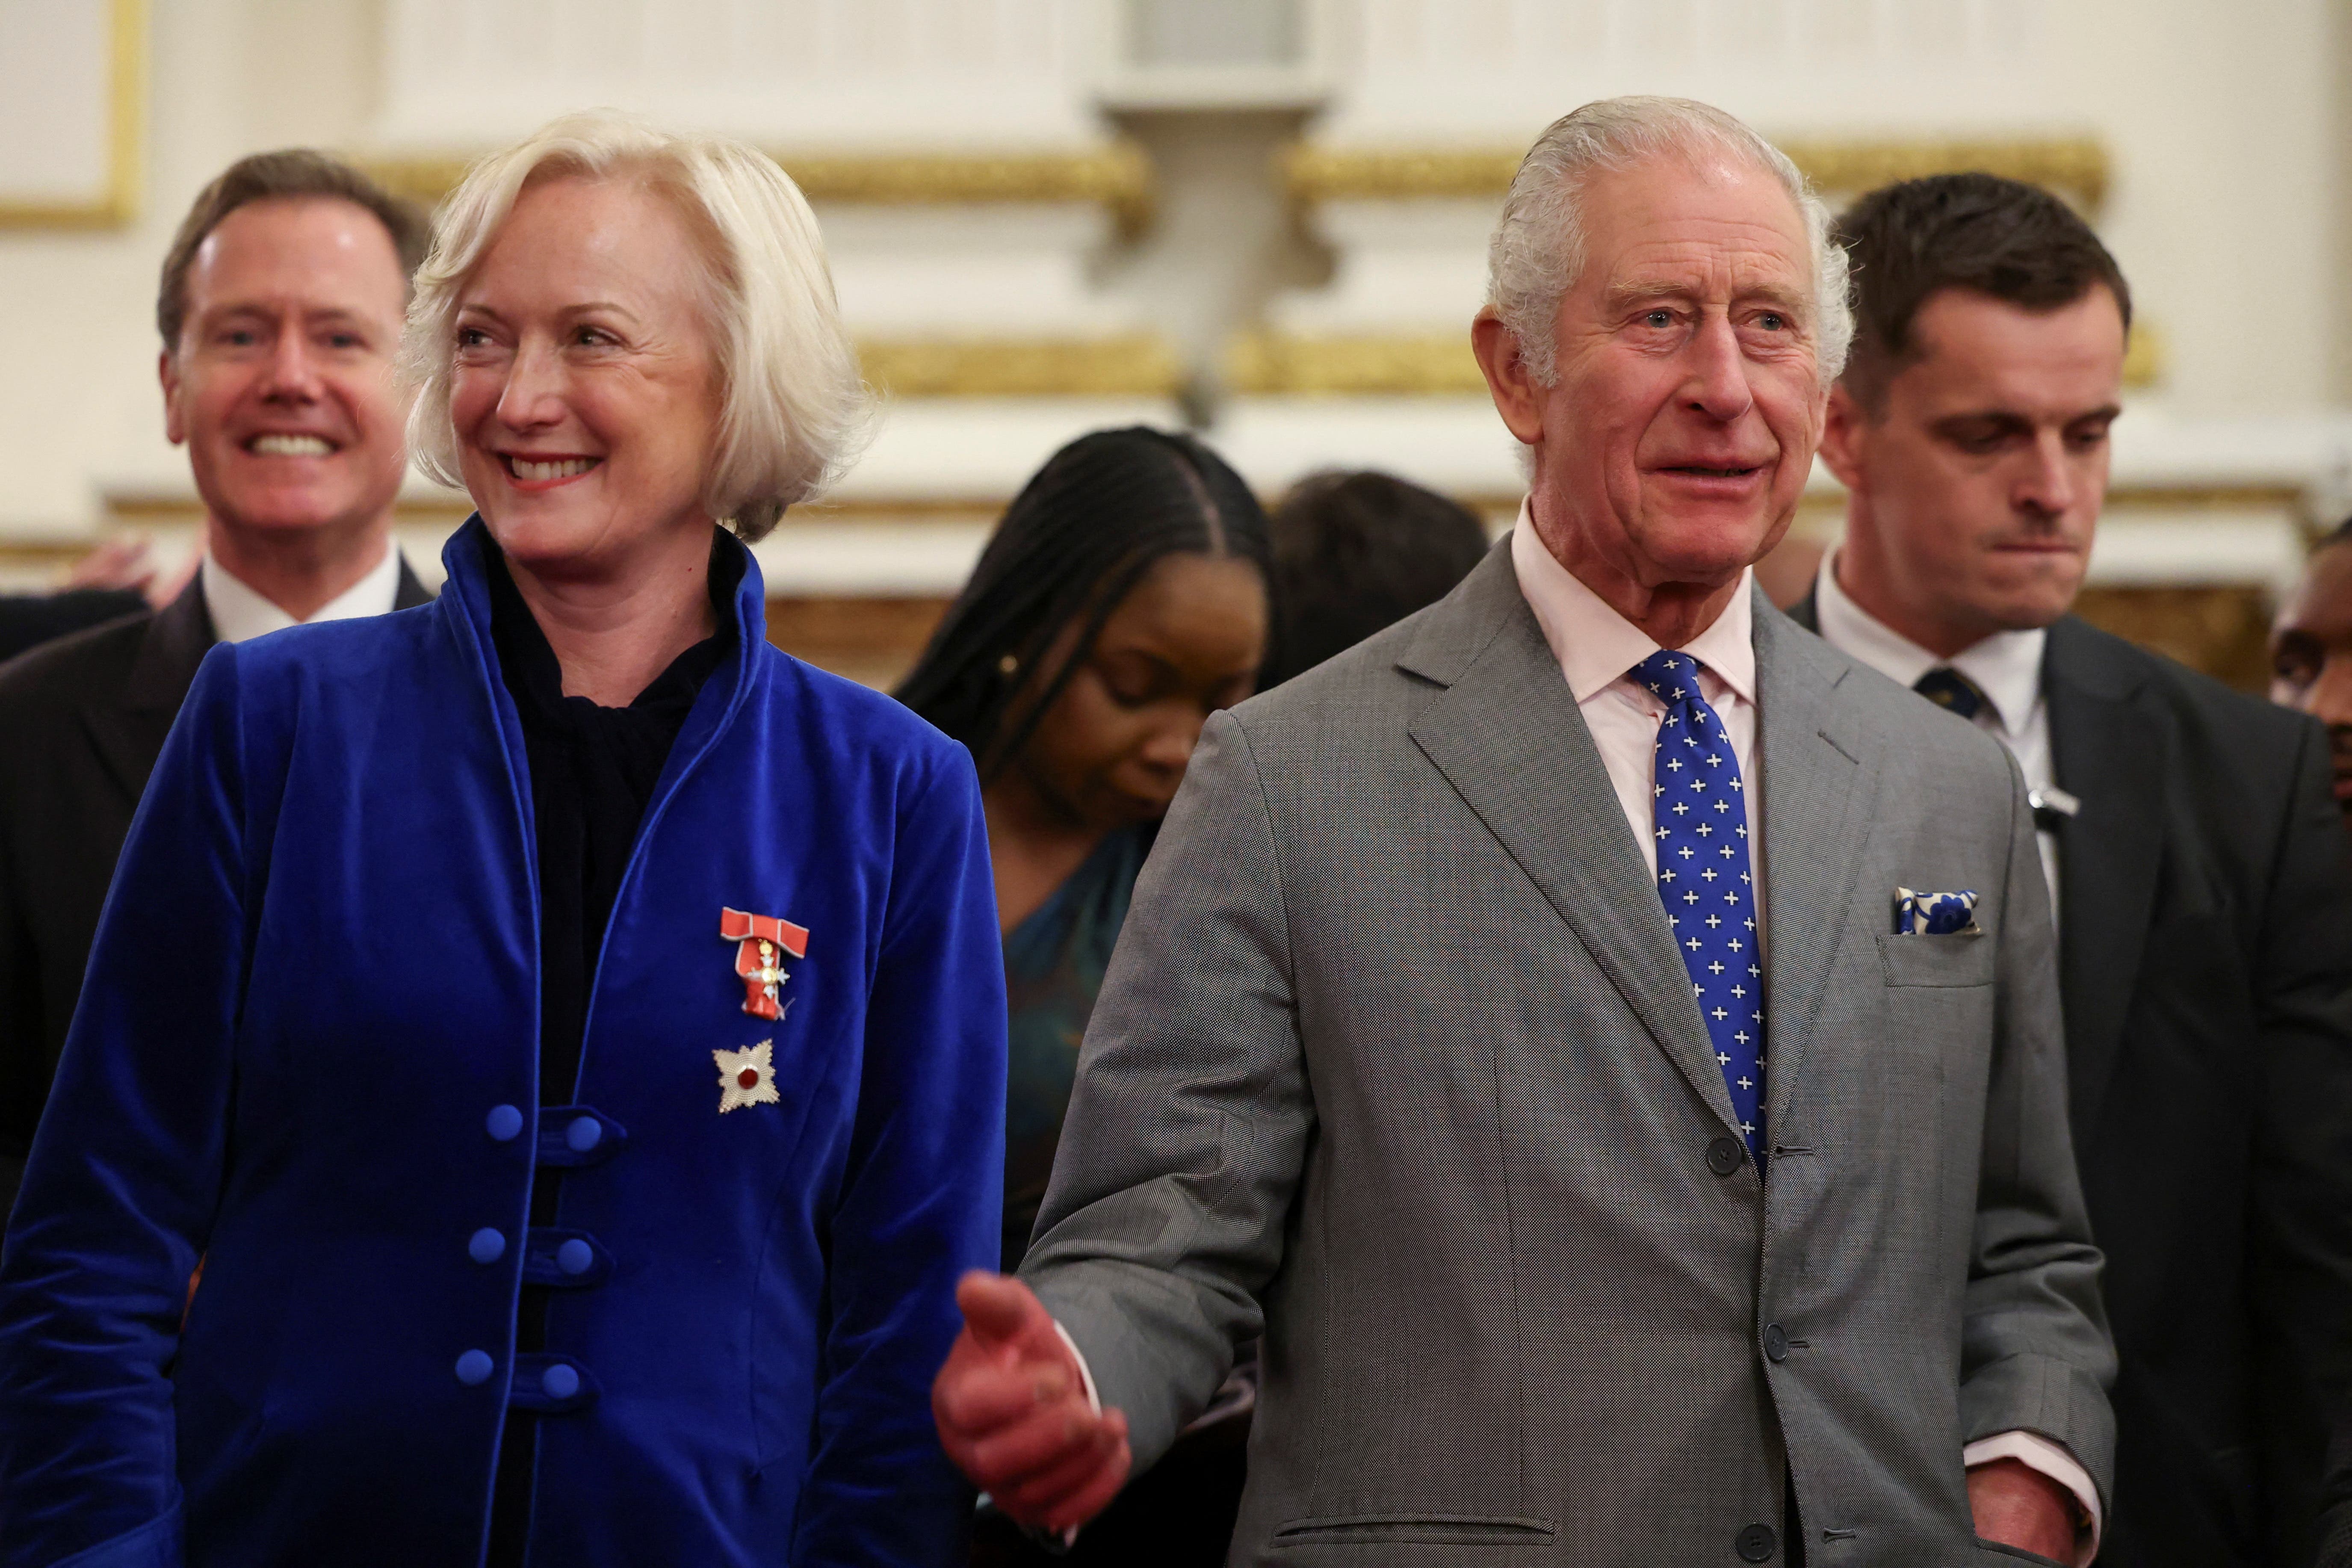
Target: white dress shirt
x,y
2006,667
1597,649
239,612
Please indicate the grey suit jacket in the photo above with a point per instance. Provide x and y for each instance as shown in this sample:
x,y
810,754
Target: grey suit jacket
x,y
1397,1061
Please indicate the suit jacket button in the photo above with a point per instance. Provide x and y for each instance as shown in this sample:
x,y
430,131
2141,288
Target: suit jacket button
x,y
486,1245
1723,1156
584,1133
1756,1543
1776,1343
475,1367
502,1124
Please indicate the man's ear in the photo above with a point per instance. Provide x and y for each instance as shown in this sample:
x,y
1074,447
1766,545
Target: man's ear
x,y
167,371
1519,397
1845,436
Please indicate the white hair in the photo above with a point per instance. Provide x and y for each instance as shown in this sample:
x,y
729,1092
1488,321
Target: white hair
x,y
1538,249
794,411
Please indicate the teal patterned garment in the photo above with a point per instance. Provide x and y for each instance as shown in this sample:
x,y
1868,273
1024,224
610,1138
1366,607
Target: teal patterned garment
x,y
1054,964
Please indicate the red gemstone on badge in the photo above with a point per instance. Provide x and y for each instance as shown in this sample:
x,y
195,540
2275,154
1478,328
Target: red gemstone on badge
x,y
748,1077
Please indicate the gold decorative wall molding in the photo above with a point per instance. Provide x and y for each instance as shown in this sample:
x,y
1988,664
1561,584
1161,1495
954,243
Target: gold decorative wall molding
x,y
2144,360
1423,364
1139,364
2075,167
1117,176
1316,173
1437,364
126,133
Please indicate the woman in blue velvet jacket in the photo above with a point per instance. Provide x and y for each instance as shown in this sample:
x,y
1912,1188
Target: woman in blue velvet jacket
x,y
568,1033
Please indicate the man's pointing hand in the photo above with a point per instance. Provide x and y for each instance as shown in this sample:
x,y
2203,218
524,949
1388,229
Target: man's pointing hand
x,y
1013,1412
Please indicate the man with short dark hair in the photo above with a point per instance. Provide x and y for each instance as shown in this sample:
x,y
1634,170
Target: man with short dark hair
x,y
2311,651
2204,906
280,312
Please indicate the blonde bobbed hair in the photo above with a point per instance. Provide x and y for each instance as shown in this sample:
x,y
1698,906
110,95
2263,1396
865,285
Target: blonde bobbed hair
x,y
793,413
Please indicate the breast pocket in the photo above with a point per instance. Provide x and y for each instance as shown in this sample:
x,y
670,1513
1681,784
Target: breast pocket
x,y
1946,961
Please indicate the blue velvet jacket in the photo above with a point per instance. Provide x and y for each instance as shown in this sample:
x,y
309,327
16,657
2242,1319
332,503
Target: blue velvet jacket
x,y
307,1055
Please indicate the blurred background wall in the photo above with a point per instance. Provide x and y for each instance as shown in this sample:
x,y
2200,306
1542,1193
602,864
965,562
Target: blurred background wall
x,y
1262,218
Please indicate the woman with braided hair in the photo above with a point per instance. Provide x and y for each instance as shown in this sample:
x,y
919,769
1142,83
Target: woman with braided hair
x,y
1121,601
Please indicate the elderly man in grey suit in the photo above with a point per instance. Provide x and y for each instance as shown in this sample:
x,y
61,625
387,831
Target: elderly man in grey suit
x,y
1604,1039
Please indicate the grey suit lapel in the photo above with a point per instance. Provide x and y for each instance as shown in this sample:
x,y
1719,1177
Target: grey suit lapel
x,y
1818,795
127,731
1506,734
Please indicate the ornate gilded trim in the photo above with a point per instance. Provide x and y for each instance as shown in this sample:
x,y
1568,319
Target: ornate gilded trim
x,y
1117,176
1440,364
2144,360
126,133
2075,167
1404,365
1137,364
2209,497
1316,174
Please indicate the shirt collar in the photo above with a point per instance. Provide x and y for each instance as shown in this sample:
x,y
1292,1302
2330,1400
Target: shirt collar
x,y
241,613
2006,665
1596,646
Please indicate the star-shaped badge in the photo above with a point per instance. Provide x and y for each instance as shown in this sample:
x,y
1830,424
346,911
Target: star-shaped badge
x,y
746,1077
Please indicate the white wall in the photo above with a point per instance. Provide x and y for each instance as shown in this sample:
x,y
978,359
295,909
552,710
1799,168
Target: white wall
x,y
78,406
2222,123
2227,126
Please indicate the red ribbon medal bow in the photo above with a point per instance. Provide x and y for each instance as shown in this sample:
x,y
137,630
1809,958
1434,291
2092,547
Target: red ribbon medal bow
x,y
762,942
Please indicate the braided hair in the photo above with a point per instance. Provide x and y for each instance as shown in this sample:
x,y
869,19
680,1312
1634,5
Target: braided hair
x,y
1077,541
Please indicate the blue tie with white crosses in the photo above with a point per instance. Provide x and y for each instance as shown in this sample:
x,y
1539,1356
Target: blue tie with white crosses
x,y
1700,825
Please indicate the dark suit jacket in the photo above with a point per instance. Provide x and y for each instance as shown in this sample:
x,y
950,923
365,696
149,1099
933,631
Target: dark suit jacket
x,y
81,722
28,620
2205,964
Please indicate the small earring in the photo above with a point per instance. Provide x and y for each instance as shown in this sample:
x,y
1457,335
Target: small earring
x,y
1008,665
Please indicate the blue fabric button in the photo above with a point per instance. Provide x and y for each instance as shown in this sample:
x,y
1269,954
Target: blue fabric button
x,y
575,1257
559,1382
486,1245
475,1367
504,1122
584,1133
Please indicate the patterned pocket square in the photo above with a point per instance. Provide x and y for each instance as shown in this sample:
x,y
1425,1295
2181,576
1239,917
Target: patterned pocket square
x,y
1935,914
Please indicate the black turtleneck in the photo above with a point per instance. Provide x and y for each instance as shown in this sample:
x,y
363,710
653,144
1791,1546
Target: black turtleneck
x,y
592,772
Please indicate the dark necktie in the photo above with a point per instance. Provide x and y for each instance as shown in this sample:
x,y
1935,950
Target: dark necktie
x,y
1948,687
1700,825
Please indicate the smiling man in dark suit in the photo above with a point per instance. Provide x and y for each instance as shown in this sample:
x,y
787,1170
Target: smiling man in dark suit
x,y
2196,858
280,310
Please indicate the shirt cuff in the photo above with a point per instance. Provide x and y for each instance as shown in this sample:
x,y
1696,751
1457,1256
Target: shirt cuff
x,y
1069,1537
2036,1452
1094,1400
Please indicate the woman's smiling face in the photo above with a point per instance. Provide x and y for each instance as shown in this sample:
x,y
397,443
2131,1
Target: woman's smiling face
x,y
585,389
